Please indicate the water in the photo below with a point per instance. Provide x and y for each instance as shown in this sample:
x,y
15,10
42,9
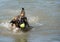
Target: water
x,y
43,15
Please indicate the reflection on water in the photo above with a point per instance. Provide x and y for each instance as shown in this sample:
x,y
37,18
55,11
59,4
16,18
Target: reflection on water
x,y
43,15
13,37
20,39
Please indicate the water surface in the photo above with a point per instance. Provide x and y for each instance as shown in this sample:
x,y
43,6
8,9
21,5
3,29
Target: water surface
x,y
43,15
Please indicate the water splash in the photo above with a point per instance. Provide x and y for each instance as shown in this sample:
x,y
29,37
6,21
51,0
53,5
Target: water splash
x,y
5,24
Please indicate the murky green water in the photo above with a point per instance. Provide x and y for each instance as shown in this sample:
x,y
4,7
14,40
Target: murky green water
x,y
43,15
